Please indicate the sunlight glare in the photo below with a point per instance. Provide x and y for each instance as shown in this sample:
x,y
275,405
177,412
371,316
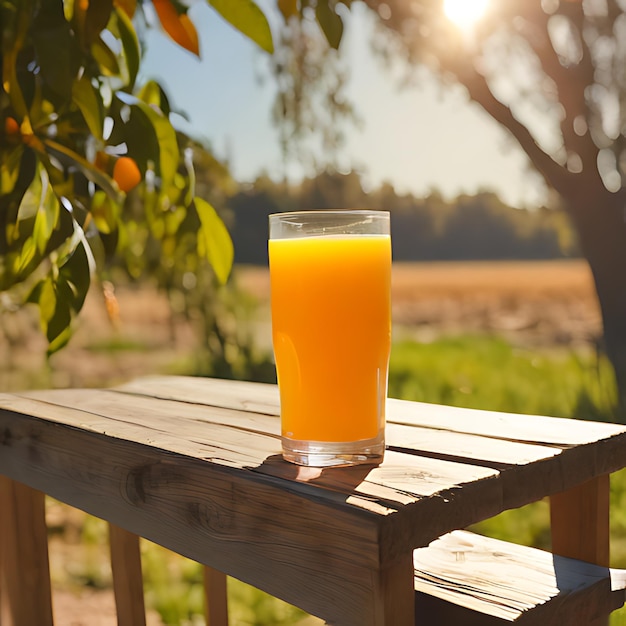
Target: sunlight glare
x,y
465,13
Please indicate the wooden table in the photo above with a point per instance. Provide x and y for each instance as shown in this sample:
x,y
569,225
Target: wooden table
x,y
194,465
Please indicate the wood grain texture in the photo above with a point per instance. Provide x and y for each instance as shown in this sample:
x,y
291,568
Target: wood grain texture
x,y
263,398
579,520
486,581
194,465
25,593
127,577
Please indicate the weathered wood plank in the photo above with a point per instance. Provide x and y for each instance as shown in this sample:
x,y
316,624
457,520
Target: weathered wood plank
x,y
243,396
400,480
25,593
261,398
500,583
127,577
497,453
179,427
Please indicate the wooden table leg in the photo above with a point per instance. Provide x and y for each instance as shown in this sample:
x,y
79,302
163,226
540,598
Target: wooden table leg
x,y
25,593
215,597
397,594
391,601
127,577
580,524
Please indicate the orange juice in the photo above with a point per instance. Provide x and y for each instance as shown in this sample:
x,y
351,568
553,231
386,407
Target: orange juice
x,y
331,326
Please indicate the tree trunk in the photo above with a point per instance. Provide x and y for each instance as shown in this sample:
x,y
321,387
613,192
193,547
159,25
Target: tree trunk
x,y
600,221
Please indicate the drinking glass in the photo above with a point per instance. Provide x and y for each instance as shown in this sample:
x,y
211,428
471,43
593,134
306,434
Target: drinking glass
x,y
330,276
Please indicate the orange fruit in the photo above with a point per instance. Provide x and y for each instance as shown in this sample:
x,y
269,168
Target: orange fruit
x,y
11,127
126,173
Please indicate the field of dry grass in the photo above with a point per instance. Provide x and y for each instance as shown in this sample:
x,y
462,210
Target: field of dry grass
x,y
536,303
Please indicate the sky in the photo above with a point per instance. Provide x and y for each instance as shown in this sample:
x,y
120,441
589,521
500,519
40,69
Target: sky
x,y
420,138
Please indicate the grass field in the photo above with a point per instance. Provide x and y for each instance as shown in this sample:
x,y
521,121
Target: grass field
x,y
517,337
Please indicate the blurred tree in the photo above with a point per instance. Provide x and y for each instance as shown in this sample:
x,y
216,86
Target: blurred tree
x,y
431,228
552,72
82,146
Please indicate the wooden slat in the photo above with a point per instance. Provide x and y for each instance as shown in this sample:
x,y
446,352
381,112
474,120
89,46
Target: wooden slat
x,y
215,597
243,396
179,427
255,397
25,593
127,577
496,582
193,431
495,425
499,453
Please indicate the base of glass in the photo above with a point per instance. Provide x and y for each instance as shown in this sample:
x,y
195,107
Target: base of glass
x,y
333,453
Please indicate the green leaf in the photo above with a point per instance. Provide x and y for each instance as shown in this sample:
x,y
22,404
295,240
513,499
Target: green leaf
x,y
89,101
75,272
58,328
104,213
248,19
62,231
37,217
148,134
130,44
44,295
10,169
59,340
88,169
96,19
168,153
15,28
55,49
60,295
214,242
330,23
105,58
47,215
151,93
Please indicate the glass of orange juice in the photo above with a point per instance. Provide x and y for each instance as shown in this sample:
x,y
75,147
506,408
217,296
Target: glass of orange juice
x,y
330,276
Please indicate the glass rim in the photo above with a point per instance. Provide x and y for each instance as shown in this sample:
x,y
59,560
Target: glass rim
x,y
307,212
